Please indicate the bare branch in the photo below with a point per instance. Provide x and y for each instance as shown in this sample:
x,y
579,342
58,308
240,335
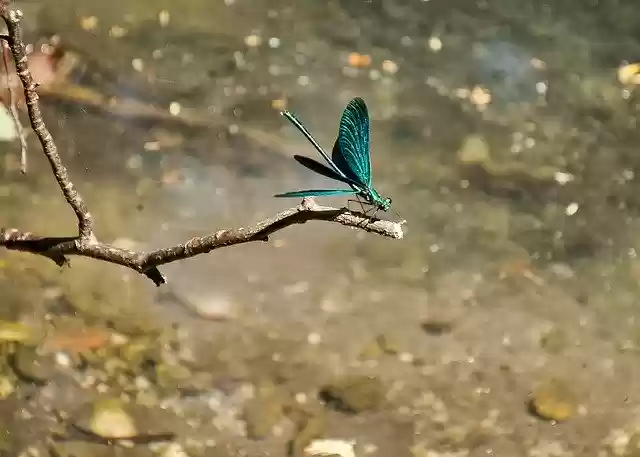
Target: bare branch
x,y
147,262
87,245
12,18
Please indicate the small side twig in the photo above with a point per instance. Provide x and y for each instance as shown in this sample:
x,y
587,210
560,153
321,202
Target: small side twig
x,y
87,245
12,18
13,106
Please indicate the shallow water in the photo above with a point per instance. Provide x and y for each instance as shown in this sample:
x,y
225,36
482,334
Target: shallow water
x,y
508,278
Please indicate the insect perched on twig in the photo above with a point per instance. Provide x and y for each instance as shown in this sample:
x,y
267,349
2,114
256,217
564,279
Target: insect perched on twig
x,y
350,160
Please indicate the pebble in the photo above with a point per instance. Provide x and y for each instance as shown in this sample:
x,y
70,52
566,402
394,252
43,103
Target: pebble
x,y
331,447
110,420
354,393
552,400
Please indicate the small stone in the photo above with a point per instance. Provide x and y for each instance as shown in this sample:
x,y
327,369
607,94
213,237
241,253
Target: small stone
x,y
553,400
18,332
354,394
32,366
474,150
330,447
7,386
554,341
109,420
264,411
436,327
381,345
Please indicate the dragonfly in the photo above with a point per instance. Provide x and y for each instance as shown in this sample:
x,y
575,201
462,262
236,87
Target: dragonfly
x,y
350,161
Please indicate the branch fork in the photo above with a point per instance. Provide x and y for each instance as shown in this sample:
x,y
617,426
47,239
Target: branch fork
x,y
85,242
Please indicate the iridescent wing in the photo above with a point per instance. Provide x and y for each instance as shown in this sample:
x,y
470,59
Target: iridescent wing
x,y
351,151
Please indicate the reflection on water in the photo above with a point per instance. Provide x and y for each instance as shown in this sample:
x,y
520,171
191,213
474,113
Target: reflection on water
x,y
499,130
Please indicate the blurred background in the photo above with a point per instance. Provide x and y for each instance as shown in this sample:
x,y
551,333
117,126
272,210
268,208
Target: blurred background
x,y
504,323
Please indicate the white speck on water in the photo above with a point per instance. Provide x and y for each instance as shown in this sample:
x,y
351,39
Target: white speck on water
x,y
370,448
137,64
174,108
389,66
142,383
572,208
314,338
563,178
173,450
253,41
274,42
303,80
327,447
163,18
134,162
406,357
435,44
63,359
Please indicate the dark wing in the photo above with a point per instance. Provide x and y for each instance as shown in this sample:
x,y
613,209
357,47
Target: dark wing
x,y
323,170
351,153
301,127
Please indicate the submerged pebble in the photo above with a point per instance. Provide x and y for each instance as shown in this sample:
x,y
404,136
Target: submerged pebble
x,y
113,419
110,420
354,393
264,411
32,366
553,400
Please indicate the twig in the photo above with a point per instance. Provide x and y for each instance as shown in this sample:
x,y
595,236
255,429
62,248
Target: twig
x,y
147,262
12,18
13,107
86,244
